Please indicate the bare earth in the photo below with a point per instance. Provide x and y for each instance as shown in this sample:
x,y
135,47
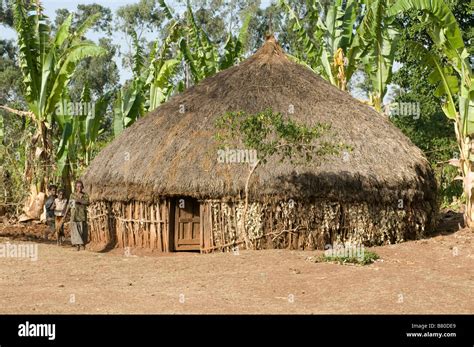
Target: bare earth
x,y
434,275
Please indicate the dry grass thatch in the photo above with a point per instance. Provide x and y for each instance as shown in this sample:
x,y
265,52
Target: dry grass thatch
x,y
169,153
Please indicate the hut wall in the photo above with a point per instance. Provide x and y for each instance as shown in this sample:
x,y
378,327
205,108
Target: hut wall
x,y
313,225
283,224
129,224
101,226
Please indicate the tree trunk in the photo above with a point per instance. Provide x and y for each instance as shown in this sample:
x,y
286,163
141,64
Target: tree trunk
x,y
248,244
67,180
44,150
39,165
466,167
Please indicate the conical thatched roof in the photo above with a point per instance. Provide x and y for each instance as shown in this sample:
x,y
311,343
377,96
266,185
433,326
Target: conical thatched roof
x,y
171,153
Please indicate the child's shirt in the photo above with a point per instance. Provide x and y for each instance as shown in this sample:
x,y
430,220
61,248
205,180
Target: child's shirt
x,y
60,207
49,206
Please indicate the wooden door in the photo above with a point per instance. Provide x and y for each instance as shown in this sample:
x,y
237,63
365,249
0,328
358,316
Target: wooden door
x,y
187,233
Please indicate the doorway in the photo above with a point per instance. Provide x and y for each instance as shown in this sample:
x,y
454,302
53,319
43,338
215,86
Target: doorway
x,y
185,222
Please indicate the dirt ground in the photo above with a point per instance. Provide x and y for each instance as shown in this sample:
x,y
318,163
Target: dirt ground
x,y
434,275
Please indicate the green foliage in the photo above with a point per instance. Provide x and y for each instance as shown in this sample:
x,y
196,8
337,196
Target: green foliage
x,y
138,58
198,51
12,187
80,134
153,84
218,18
452,78
141,16
338,37
234,46
367,258
103,22
375,45
12,127
310,51
321,31
271,134
422,55
159,81
129,106
259,27
10,88
6,13
433,133
47,62
100,73
12,160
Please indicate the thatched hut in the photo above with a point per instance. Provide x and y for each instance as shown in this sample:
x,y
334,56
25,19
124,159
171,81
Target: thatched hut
x,y
159,185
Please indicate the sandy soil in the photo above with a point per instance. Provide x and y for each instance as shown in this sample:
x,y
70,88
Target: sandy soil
x,y
434,275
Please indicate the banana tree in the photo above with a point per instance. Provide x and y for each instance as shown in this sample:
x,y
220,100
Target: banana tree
x,y
337,34
199,53
374,45
202,57
450,72
234,46
130,100
347,34
332,30
161,70
79,134
47,63
150,86
129,105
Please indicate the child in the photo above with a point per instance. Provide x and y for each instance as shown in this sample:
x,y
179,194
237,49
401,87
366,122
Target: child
x,y
60,204
49,209
78,203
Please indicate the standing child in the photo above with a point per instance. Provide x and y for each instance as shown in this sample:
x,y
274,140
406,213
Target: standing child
x,y
49,210
60,213
78,204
